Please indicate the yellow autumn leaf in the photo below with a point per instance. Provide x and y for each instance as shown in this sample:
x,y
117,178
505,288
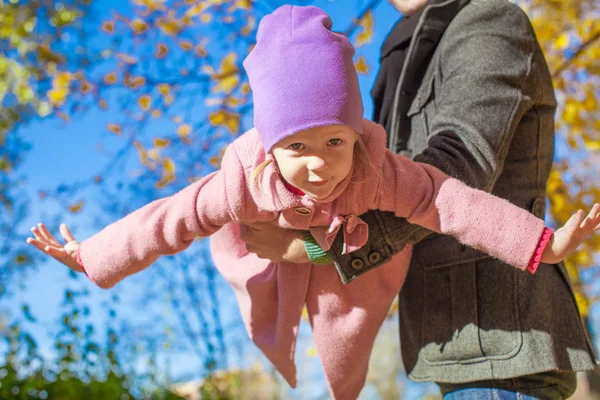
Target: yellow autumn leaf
x,y
590,103
164,89
200,51
103,104
134,82
168,26
127,58
591,145
110,78
57,97
85,87
186,20
151,5
114,128
61,87
75,208
184,130
143,155
108,27
227,84
245,88
168,175
144,102
225,118
206,18
366,30
156,113
161,50
361,65
195,10
562,42
228,64
571,113
185,45
217,118
240,5
138,81
161,143
249,27
234,101
154,154
227,77
138,26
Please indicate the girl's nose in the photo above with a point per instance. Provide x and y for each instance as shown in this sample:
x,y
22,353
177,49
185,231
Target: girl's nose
x,y
316,164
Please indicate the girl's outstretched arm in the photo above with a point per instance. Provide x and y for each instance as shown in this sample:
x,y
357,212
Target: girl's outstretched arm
x,y
426,196
163,227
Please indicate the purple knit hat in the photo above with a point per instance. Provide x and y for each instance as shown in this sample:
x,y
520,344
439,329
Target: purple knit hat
x,y
302,75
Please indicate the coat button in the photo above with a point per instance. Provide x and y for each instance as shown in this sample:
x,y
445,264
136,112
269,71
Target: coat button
x,y
374,257
302,211
538,207
357,263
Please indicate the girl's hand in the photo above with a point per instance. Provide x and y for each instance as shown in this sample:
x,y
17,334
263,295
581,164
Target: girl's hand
x,y
46,243
566,239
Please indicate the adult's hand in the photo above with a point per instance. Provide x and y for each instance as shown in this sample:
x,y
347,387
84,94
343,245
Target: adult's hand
x,y
274,243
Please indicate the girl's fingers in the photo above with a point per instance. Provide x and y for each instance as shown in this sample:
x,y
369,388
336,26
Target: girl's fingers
x,y
37,234
66,233
593,214
58,253
48,235
592,219
41,246
574,222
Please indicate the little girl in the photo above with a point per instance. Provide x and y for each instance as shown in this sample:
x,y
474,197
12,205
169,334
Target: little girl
x,y
312,163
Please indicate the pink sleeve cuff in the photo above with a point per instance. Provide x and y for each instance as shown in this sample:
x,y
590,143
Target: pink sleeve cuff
x,y
537,255
80,262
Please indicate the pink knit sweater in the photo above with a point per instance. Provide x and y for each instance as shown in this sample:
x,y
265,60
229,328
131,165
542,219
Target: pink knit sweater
x,y
345,318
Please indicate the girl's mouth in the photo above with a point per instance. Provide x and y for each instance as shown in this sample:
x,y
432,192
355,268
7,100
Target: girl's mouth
x,y
318,183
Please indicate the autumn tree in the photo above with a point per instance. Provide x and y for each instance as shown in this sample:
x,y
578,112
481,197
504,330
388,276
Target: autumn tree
x,y
39,40
569,32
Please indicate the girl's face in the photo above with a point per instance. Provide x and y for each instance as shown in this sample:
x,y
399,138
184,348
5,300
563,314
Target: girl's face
x,y
315,160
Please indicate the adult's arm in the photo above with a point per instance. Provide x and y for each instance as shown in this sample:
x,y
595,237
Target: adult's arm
x,y
485,89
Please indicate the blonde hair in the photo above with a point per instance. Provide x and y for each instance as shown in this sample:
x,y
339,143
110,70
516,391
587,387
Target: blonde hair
x,y
259,170
361,156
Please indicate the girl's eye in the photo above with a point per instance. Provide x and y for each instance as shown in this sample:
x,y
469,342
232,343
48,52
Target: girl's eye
x,y
335,142
296,146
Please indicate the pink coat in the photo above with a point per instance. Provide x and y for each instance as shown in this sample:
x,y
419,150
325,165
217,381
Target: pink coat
x,y
345,318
